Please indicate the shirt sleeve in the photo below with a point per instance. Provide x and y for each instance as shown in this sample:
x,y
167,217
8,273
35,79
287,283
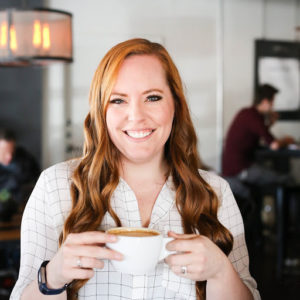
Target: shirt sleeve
x,y
230,216
39,240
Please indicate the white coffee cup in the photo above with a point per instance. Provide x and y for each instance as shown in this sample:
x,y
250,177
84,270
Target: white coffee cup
x,y
141,253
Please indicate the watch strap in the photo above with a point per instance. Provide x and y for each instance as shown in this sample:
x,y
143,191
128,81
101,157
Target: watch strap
x,y
42,281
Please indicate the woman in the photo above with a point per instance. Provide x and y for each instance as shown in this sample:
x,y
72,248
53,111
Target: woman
x,y
139,168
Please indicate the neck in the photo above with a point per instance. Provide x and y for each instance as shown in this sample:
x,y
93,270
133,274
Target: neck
x,y
153,171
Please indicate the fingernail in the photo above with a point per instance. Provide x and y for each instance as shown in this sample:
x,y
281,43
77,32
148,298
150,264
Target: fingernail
x,y
169,247
118,256
112,238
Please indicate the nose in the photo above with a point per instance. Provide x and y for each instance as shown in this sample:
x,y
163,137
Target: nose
x,y
136,111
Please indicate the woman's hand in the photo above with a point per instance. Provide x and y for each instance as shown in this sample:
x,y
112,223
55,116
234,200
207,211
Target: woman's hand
x,y
198,259
78,256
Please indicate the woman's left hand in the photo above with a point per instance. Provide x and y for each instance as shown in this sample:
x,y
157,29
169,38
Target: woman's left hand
x,y
198,259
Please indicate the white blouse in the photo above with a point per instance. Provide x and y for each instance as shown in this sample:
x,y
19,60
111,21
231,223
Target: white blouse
x,y
50,204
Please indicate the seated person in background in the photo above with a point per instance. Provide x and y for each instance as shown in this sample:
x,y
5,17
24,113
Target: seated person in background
x,y
140,168
17,167
248,129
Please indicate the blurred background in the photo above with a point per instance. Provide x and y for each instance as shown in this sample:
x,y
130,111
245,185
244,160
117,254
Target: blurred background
x,y
215,45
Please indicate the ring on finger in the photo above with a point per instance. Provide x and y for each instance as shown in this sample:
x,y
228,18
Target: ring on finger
x,y
79,263
183,270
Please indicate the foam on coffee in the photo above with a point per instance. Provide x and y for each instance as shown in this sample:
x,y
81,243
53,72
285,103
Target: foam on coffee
x,y
133,232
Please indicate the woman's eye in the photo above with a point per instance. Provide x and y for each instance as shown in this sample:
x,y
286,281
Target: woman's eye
x,y
154,98
116,101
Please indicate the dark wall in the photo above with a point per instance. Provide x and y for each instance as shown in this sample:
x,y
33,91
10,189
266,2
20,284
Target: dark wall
x,y
21,105
21,96
21,3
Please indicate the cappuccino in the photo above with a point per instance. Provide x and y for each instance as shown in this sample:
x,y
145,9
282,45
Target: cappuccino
x,y
142,248
135,232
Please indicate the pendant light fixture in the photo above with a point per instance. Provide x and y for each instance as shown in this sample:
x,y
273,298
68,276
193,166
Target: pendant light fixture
x,y
35,37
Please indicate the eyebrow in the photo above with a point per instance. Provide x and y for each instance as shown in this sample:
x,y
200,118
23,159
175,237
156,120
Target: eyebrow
x,y
145,92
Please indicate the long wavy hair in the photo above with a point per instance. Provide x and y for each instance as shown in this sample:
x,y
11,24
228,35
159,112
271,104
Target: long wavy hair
x,y
97,175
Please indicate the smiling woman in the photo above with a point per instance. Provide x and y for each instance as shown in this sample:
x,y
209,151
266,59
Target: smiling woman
x,y
140,168
140,113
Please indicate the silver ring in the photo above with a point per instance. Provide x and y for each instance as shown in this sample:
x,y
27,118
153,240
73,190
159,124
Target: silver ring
x,y
183,270
79,263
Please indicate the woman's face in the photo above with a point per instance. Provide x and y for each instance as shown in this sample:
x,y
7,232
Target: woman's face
x,y
140,111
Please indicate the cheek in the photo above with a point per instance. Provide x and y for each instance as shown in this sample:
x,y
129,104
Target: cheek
x,y
167,116
112,119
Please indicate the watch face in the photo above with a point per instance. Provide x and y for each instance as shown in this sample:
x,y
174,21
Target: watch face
x,y
42,275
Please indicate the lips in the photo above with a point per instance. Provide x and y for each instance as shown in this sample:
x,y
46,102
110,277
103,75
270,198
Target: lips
x,y
138,134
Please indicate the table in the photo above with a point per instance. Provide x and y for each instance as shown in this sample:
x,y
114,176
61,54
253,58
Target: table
x,y
10,250
10,237
10,231
284,152
282,209
280,158
281,162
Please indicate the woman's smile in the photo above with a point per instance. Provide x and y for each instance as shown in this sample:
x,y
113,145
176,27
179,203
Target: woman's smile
x,y
139,134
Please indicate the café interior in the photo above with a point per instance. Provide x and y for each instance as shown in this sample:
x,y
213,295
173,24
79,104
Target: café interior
x,y
224,49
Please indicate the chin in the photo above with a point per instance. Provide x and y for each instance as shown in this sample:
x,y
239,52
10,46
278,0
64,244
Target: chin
x,y
138,158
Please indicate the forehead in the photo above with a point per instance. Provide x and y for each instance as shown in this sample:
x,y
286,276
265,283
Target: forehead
x,y
7,144
141,71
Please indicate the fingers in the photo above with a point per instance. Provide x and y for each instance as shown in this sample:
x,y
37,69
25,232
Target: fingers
x,y
75,267
193,262
182,259
92,251
189,272
83,252
196,258
87,263
186,243
79,255
181,236
91,237
190,260
82,273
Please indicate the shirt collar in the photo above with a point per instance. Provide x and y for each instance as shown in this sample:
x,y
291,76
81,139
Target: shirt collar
x,y
125,204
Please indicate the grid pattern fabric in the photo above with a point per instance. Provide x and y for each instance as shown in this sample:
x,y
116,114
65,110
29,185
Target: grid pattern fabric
x,y
50,204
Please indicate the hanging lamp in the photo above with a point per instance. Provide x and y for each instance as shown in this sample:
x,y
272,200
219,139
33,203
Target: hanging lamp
x,y
35,37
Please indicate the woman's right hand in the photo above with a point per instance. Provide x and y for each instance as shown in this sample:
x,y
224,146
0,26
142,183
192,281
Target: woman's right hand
x,y
87,248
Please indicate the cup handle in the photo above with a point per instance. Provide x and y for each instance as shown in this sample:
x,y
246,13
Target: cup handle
x,y
164,252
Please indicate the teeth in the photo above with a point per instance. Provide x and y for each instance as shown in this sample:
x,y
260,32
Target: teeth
x,y
139,134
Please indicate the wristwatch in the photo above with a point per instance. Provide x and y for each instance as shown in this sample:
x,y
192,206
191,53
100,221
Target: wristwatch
x,y
42,281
